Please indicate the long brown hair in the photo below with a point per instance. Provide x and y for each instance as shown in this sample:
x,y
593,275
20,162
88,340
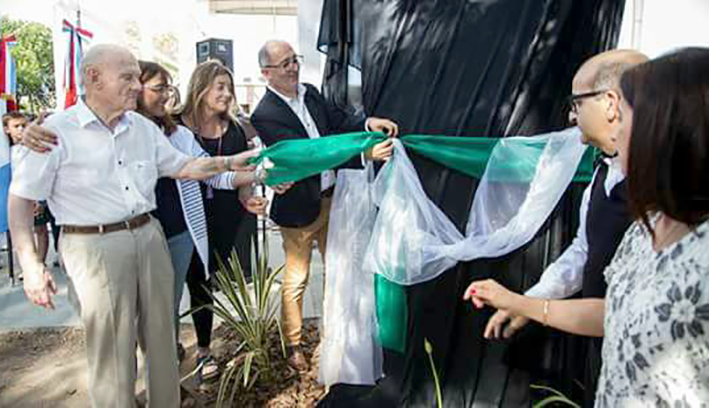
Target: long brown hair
x,y
148,71
668,158
200,81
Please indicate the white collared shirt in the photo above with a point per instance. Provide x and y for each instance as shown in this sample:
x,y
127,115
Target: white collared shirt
x,y
95,175
298,107
564,277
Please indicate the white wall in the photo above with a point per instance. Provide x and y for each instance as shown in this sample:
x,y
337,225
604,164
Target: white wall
x,y
309,12
658,26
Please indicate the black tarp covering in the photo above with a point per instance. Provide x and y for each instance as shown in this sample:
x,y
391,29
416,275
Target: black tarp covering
x,y
468,68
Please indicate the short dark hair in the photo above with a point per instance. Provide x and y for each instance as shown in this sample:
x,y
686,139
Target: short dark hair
x,y
148,71
12,115
668,159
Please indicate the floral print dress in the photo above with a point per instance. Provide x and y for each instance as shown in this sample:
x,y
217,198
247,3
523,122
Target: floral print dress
x,y
656,346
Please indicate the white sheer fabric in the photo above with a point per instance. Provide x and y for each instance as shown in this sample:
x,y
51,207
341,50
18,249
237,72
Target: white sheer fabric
x,y
413,241
410,240
349,353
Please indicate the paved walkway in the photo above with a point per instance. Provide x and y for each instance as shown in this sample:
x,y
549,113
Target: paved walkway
x,y
17,313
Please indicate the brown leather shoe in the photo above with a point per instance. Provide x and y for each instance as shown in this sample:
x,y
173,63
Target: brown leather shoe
x,y
296,359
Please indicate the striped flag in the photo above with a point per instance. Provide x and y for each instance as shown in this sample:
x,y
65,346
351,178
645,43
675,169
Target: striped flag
x,y
8,91
4,174
8,72
78,40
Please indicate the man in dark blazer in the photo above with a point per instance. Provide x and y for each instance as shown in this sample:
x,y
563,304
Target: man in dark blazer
x,y
292,110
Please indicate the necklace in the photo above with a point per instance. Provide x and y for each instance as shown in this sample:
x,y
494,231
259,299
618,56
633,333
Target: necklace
x,y
221,131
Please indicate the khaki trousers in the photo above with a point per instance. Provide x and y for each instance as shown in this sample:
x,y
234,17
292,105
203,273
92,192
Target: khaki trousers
x,y
298,246
124,284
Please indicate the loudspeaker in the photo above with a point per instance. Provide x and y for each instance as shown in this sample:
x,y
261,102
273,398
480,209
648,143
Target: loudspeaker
x,y
215,48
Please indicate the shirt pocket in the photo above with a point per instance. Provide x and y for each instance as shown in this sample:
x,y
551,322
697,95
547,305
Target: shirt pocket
x,y
144,176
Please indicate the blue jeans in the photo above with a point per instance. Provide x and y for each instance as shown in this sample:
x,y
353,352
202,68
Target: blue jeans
x,y
181,248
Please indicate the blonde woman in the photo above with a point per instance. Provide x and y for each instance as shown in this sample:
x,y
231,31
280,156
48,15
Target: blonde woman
x,y
208,111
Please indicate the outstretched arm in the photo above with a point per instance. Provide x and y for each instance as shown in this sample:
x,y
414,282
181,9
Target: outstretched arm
x,y
561,279
200,168
577,316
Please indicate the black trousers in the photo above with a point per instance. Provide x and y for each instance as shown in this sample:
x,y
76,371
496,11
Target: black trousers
x,y
200,296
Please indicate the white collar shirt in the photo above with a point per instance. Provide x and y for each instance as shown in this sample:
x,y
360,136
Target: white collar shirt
x,y
564,277
97,175
300,110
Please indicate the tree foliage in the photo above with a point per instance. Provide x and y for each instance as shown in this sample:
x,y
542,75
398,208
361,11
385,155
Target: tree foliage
x,y
35,63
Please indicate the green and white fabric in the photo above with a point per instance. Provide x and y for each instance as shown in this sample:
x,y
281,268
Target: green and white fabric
x,y
385,233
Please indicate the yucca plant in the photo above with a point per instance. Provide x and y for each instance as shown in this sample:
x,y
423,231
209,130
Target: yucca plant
x,y
555,397
252,313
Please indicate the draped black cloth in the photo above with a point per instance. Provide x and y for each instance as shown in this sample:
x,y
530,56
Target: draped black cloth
x,y
491,68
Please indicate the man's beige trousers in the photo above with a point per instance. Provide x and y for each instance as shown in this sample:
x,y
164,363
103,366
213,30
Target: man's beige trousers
x,y
298,246
124,284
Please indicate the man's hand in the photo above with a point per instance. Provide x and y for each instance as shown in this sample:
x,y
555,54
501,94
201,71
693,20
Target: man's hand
x,y
496,323
256,205
253,204
385,126
38,282
39,286
488,292
39,139
380,151
38,209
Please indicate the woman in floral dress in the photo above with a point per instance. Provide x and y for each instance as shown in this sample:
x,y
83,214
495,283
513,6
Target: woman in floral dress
x,y
655,317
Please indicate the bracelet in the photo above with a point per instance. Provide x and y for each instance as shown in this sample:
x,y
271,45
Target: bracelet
x,y
545,312
226,163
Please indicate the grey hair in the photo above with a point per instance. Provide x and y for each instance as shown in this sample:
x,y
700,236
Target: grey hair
x,y
611,65
97,54
264,55
264,58
608,74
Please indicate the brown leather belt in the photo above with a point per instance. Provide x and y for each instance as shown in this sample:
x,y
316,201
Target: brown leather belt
x,y
130,224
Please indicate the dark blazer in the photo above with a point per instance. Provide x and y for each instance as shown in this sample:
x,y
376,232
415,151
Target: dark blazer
x,y
274,121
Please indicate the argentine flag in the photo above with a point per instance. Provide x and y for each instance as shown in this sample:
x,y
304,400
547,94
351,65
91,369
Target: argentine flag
x,y
4,173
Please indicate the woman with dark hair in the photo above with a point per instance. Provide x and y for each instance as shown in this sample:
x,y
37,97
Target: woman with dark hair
x,y
180,209
655,317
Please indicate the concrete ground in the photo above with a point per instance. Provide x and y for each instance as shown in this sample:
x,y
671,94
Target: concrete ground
x,y
56,376
16,313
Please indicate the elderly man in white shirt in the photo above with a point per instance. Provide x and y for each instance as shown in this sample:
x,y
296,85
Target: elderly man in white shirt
x,y
99,182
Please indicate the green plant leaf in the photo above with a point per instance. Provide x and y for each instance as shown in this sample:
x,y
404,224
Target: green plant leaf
x,y
252,316
555,398
247,366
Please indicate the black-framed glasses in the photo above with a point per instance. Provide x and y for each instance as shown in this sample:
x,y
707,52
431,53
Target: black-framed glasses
x,y
572,101
296,59
161,89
